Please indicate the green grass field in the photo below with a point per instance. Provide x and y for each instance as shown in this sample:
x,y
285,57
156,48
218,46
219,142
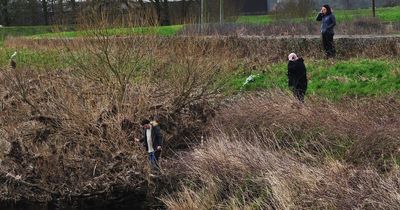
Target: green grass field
x,y
162,31
352,78
47,31
386,14
38,60
26,31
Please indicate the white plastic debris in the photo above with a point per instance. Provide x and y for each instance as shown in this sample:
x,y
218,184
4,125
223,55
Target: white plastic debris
x,y
250,79
13,55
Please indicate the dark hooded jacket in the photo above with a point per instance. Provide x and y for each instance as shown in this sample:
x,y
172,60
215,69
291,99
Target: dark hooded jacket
x,y
297,74
155,135
328,21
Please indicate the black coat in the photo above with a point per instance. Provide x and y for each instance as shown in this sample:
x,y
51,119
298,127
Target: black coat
x,y
155,135
297,74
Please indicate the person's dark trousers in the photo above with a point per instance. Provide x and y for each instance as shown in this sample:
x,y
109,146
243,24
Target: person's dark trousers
x,y
299,94
154,157
327,41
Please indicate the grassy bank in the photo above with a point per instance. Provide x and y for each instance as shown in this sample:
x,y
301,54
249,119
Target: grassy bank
x,y
333,79
38,32
330,79
25,31
39,60
386,14
160,31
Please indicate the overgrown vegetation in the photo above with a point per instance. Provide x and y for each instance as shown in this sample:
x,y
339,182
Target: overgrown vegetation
x,y
70,110
117,83
333,80
267,151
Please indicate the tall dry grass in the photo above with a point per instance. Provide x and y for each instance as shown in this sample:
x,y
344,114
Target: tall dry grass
x,y
233,173
270,152
359,131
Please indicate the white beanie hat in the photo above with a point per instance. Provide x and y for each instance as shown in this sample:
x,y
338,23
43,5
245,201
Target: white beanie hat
x,y
292,57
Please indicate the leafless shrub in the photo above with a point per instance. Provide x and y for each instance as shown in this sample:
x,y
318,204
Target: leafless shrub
x,y
73,129
293,8
363,26
107,59
61,130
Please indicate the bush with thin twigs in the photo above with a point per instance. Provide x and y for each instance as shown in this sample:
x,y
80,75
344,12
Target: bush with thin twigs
x,y
77,130
293,9
106,59
61,130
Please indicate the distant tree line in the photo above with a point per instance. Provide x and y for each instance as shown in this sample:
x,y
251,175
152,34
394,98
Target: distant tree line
x,y
155,12
36,12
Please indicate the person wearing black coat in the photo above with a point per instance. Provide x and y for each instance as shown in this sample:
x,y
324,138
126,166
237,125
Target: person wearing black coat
x,y
152,140
297,76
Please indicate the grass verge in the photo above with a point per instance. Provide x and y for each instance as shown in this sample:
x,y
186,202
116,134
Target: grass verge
x,y
386,14
332,79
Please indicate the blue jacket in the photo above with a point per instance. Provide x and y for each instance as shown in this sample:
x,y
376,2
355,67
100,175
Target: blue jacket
x,y
328,23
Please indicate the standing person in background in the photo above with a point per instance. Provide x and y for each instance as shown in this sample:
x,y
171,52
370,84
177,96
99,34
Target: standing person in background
x,y
327,25
297,76
153,141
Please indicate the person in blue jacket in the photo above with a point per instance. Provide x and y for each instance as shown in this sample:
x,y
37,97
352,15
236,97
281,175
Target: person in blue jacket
x,y
327,29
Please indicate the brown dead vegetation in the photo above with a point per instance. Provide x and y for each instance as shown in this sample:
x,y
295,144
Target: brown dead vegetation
x,y
361,132
252,49
267,151
66,135
69,136
65,139
361,26
261,151
231,173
